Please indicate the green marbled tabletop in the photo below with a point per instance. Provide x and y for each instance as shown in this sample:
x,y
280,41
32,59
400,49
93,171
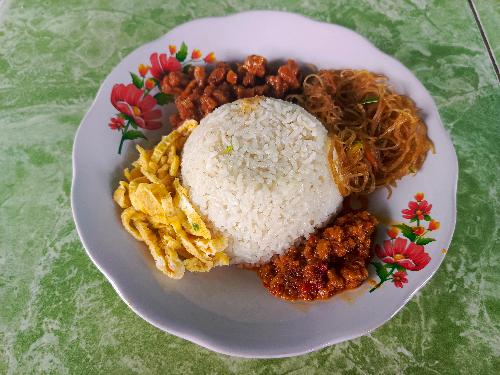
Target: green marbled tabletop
x,y
59,315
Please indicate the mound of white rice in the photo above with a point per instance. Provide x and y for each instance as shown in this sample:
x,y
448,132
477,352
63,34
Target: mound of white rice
x,y
258,171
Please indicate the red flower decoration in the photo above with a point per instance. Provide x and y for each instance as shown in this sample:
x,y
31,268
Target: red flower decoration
x,y
434,225
413,257
162,64
150,83
399,278
393,232
417,210
196,54
143,70
129,100
116,123
396,254
418,230
172,49
210,58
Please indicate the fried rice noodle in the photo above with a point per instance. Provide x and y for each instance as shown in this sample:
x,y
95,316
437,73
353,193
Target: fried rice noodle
x,y
377,135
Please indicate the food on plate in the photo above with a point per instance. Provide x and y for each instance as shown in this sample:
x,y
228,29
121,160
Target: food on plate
x,y
198,92
158,211
378,135
329,261
257,169
260,181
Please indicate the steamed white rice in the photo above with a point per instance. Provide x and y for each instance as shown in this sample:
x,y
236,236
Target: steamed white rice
x,y
258,171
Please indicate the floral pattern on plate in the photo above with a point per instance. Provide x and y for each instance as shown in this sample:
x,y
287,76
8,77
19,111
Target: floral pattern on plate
x,y
398,254
138,102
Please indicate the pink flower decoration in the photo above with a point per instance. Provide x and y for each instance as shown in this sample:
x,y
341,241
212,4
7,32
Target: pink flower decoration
x,y
116,123
413,257
161,64
129,100
399,278
417,210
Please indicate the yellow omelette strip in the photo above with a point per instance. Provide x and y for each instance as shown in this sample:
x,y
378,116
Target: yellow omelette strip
x,y
157,210
181,132
166,260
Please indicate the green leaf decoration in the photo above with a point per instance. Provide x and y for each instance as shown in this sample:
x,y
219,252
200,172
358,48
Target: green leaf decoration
x,y
399,267
128,118
407,232
427,218
413,220
403,227
133,134
136,80
424,241
186,68
411,236
381,270
182,54
162,98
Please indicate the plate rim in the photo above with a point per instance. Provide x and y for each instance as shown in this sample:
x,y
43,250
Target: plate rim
x,y
202,339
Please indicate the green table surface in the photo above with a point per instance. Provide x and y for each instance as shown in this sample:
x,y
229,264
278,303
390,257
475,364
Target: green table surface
x,y
58,314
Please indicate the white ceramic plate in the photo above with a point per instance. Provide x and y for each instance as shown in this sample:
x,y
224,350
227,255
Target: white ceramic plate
x,y
228,310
